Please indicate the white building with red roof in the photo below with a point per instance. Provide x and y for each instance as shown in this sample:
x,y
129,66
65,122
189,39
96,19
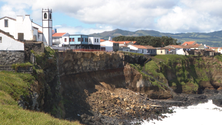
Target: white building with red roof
x,y
60,39
180,50
137,48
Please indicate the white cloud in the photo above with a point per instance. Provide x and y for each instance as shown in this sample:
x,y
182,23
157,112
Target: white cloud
x,y
188,20
81,30
161,15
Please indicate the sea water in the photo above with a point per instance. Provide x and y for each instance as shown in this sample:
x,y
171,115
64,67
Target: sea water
x,y
200,114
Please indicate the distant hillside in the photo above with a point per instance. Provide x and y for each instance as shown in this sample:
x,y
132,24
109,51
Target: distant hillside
x,y
211,39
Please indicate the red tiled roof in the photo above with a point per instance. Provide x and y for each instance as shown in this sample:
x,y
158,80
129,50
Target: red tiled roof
x,y
192,46
39,31
209,50
213,47
175,46
58,34
113,41
139,46
150,47
126,42
102,40
188,43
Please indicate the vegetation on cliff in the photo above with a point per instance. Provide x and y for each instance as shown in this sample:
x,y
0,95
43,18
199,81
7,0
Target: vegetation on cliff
x,y
13,86
184,74
16,91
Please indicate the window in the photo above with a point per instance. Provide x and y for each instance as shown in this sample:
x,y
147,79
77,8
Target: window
x,y
79,39
50,16
73,39
97,40
161,51
65,39
86,40
70,39
45,16
0,39
6,23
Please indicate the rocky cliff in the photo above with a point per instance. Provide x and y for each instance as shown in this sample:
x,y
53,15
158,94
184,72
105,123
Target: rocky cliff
x,y
88,85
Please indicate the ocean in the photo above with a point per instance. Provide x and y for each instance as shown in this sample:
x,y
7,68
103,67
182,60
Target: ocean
x,y
200,114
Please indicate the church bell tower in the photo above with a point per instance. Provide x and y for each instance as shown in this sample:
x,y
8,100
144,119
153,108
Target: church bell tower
x,y
47,26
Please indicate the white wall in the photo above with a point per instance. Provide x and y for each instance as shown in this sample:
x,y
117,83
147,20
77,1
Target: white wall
x,y
63,40
179,51
107,43
107,48
9,43
11,25
93,40
132,48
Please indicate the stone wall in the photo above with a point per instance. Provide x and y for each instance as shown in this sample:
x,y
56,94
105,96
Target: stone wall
x,y
20,69
35,46
79,62
11,57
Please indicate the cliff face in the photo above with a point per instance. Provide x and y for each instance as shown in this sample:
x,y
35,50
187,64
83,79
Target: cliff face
x,y
82,74
72,79
192,74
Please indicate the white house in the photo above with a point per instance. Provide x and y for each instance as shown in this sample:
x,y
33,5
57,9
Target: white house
x,y
8,43
60,39
126,43
109,45
23,28
94,40
178,48
124,49
138,49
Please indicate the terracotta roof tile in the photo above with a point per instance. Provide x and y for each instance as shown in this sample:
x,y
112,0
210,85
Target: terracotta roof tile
x,y
126,42
39,31
175,46
102,40
139,46
188,43
58,34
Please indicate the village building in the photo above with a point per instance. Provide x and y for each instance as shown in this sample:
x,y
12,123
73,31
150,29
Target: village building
x,y
94,42
126,43
11,50
109,46
180,50
138,49
124,49
165,51
151,50
78,41
195,47
24,29
60,39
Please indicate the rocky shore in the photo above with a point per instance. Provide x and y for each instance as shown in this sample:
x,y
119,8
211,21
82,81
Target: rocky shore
x,y
123,106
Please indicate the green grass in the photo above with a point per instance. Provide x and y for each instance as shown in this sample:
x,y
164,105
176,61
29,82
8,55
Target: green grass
x,y
23,65
170,57
12,86
152,68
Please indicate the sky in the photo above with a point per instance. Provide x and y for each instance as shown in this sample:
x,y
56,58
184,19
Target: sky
x,y
96,16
